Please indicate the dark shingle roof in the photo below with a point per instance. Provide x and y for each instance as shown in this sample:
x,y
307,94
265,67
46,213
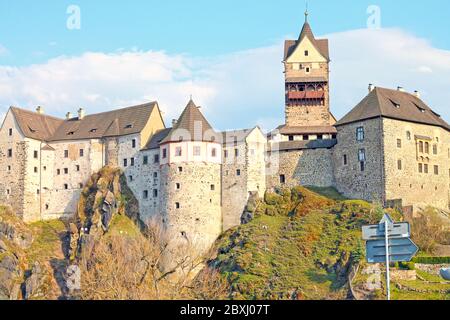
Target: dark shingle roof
x,y
192,121
394,104
235,135
119,122
157,138
320,44
302,145
35,125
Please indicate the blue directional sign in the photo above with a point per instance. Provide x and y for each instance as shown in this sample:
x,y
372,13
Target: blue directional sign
x,y
377,231
400,250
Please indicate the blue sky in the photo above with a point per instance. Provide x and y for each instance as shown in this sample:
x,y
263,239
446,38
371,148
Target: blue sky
x,y
207,39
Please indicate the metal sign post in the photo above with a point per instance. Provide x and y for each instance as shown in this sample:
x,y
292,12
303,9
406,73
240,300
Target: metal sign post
x,y
388,242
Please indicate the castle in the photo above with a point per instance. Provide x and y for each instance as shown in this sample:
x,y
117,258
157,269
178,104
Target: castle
x,y
390,148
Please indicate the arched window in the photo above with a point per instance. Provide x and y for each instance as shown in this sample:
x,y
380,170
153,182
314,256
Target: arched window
x,y
408,135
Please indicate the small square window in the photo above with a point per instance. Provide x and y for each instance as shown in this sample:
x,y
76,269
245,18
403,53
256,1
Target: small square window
x,y
307,70
305,137
213,187
180,169
291,138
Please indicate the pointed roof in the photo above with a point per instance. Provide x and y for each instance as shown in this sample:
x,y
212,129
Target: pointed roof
x,y
321,44
394,104
194,122
36,125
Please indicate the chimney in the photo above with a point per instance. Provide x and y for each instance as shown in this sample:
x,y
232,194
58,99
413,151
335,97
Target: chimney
x,y
81,114
370,87
68,115
417,94
174,122
400,89
40,110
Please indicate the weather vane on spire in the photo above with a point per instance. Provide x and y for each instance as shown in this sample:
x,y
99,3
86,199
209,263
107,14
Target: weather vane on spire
x,y
306,12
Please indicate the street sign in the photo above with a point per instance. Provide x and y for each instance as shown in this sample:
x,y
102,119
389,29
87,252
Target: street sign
x,y
396,230
388,242
400,250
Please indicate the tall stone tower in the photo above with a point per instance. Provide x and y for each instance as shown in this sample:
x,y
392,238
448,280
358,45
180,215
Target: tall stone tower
x,y
306,63
191,158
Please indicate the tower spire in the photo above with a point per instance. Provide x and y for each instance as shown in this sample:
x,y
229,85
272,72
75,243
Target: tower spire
x,y
306,13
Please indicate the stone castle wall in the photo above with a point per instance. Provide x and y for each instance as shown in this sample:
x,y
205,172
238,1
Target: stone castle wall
x,y
350,180
191,202
303,167
407,183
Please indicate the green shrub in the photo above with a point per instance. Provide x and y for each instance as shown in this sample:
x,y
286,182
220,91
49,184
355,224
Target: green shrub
x,y
432,260
407,265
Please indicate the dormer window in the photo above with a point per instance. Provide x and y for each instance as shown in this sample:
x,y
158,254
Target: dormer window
x,y
93,130
71,133
395,104
32,130
420,108
129,126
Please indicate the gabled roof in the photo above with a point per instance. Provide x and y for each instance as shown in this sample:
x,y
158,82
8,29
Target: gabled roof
x,y
394,104
156,139
192,121
236,136
114,123
35,125
321,44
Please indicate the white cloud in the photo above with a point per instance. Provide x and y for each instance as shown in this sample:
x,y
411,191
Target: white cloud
x,y
237,90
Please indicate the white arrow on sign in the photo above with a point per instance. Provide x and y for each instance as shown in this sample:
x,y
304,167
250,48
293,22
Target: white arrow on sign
x,y
396,230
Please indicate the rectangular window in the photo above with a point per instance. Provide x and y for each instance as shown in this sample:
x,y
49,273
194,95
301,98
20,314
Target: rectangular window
x,y
420,168
363,166
78,168
320,137
425,168
66,186
238,172
436,170
362,155
66,171
145,194
58,172
282,179
427,147
213,187
156,158
130,178
177,205
399,164
214,152
155,193
420,146
305,137
180,169
236,152
345,160
435,149
164,151
132,162
125,163
133,143
9,153
66,153
306,53
225,153
155,175
81,152
399,143
360,134
10,131
145,160
35,169
36,154
178,186
291,138
197,151
178,152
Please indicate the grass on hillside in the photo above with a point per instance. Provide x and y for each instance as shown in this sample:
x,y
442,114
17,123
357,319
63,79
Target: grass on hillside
x,y
302,249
